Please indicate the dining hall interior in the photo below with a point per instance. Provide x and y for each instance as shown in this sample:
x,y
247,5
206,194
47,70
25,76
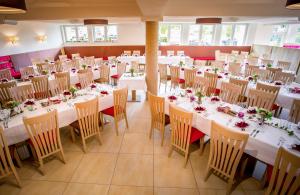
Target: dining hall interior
x,y
149,97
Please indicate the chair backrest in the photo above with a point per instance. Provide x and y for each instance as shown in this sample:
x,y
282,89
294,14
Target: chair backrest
x,y
260,99
59,66
283,65
250,69
5,74
181,125
245,53
235,69
43,131
135,66
128,53
180,53
174,71
285,77
6,164
26,71
64,79
22,92
253,61
272,72
40,85
266,61
50,67
285,177
201,84
104,71
218,64
226,149
136,53
170,53
157,107
235,52
212,80
269,88
90,60
262,74
40,67
200,63
242,83
85,79
189,77
88,117
75,55
121,68
5,94
162,68
120,101
295,111
63,57
230,92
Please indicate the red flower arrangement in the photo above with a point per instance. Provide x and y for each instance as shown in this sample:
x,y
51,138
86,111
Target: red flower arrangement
x,y
4,80
199,72
182,69
172,97
66,93
250,78
29,102
278,83
220,76
188,91
104,92
215,99
199,108
226,73
251,111
95,68
30,76
241,124
113,66
53,72
192,98
93,86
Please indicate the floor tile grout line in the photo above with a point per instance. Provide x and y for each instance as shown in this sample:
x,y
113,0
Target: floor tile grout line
x,y
197,187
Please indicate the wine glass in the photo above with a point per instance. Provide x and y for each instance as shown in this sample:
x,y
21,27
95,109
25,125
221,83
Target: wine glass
x,y
4,116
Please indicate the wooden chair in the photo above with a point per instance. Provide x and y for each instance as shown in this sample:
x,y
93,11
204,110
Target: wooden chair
x,y
7,167
118,111
40,67
285,77
226,150
44,135
183,134
266,61
5,74
253,61
189,77
58,86
135,66
87,121
230,92
127,53
250,70
90,61
283,65
260,99
201,84
272,72
285,177
63,79
136,53
5,94
262,74
121,69
75,55
174,71
63,57
245,53
26,71
180,53
50,67
218,64
268,88
41,87
200,63
22,92
294,115
235,69
85,79
163,75
158,117
58,66
235,52
212,80
104,71
170,53
243,84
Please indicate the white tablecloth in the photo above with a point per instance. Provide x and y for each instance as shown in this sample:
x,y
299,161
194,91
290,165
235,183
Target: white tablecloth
x,y
161,59
138,82
16,131
263,147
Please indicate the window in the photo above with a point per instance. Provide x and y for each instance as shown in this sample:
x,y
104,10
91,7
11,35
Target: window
x,y
297,36
112,33
170,34
194,34
201,34
278,34
105,33
233,34
76,33
99,33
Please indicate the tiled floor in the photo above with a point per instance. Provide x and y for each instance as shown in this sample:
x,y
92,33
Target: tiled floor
x,y
123,165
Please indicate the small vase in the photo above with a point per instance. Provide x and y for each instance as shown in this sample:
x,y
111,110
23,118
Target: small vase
x,y
199,100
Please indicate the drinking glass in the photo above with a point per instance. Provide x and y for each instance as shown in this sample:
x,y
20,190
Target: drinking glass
x,y
4,116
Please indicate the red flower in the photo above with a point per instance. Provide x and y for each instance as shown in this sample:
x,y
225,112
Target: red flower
x,y
104,92
30,76
188,91
4,80
182,69
199,108
172,97
113,66
219,76
241,124
278,83
93,86
215,99
53,72
66,93
199,72
252,111
29,102
250,78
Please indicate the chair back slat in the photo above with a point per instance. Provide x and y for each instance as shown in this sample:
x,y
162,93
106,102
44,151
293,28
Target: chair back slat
x,y
212,80
242,83
260,99
40,85
120,101
250,70
189,77
85,78
295,111
22,92
201,84
230,92
5,94
5,74
268,88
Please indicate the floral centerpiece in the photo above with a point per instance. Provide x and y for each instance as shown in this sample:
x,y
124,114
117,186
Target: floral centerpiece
x,y
255,77
4,80
215,70
83,66
67,95
44,72
14,107
269,65
73,90
264,115
181,63
199,95
131,70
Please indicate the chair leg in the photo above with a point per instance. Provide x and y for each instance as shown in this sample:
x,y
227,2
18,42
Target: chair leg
x,y
186,157
162,136
100,138
63,158
151,131
41,168
16,176
201,146
101,120
126,120
116,126
83,144
229,186
17,157
72,134
208,173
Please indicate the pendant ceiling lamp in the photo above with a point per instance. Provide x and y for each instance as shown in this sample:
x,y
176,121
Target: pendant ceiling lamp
x,y
95,22
208,20
12,6
293,4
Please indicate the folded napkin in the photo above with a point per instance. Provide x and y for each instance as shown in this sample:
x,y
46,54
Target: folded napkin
x,y
104,92
172,97
199,108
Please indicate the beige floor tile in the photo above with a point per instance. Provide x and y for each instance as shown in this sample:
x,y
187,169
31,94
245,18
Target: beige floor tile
x,y
139,125
219,192
137,143
95,168
139,110
158,149
42,187
169,172
88,189
134,169
56,170
250,184
255,192
8,186
175,191
130,190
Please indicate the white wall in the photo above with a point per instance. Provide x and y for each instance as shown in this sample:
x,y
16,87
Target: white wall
x,y
27,33
128,34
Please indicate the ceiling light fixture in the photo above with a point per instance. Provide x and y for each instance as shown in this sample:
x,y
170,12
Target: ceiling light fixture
x,y
12,6
292,4
95,22
208,20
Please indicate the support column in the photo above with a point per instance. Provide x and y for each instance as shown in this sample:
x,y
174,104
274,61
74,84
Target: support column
x,y
151,56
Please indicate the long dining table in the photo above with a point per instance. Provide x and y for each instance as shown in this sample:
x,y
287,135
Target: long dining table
x,y
264,140
16,132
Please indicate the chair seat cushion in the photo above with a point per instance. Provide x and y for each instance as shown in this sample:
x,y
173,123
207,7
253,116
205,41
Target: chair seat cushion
x,y
196,135
109,111
181,81
116,76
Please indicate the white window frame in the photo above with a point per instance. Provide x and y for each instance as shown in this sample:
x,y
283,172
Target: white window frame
x,y
233,30
169,31
200,34
76,27
105,34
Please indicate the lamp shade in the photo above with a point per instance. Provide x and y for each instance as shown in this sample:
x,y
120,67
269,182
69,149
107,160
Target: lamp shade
x,y
12,6
208,20
293,4
95,21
